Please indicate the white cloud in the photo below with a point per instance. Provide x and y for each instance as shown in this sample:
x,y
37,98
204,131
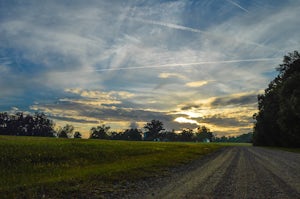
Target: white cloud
x,y
170,75
185,120
196,84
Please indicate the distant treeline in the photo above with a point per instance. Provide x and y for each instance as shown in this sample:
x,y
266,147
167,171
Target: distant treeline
x,y
21,124
154,132
26,125
244,138
278,119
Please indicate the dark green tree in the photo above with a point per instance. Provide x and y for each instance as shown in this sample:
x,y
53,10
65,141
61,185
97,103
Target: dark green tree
x,y
169,136
26,124
204,134
78,135
153,129
42,125
66,131
186,135
99,132
132,134
277,122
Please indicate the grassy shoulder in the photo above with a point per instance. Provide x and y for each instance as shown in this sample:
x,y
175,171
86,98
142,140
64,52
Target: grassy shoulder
x,y
33,167
294,150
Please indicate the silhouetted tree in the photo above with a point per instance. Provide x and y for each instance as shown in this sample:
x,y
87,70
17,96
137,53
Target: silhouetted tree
x,y
26,125
132,134
244,138
203,134
186,135
42,125
153,127
169,136
116,135
77,135
99,132
66,131
277,122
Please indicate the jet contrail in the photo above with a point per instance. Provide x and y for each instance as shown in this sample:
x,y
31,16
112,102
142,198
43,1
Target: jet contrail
x,y
169,25
238,5
187,64
208,34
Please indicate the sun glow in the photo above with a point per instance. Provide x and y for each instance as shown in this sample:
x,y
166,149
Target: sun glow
x,y
185,120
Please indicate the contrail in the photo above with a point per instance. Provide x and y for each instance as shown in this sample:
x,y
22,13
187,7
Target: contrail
x,y
169,25
187,64
208,34
238,5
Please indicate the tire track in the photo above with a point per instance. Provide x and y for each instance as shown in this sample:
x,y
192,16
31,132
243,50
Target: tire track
x,y
237,172
279,185
184,185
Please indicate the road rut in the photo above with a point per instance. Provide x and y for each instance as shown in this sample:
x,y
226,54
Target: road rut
x,y
236,172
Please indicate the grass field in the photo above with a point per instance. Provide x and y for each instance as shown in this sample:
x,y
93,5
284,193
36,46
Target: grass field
x,y
294,150
31,166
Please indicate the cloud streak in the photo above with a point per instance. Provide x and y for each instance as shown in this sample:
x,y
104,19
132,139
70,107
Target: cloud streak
x,y
186,64
168,25
238,5
206,33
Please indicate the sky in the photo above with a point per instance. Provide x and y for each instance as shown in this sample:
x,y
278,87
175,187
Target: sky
x,y
123,63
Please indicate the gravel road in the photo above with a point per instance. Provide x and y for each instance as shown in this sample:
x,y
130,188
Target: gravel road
x,y
234,172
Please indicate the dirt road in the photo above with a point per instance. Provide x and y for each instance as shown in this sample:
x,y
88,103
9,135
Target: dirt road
x,y
235,172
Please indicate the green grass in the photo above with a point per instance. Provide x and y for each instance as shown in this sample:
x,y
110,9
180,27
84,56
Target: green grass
x,y
235,144
294,150
32,166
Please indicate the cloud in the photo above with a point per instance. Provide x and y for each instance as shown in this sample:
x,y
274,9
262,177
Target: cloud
x,y
226,121
190,106
238,5
235,99
171,75
168,25
134,125
196,84
185,120
186,64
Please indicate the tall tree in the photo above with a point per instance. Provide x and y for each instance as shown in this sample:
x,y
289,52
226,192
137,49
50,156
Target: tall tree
x,y
277,122
132,134
186,135
99,132
77,134
66,131
204,134
153,129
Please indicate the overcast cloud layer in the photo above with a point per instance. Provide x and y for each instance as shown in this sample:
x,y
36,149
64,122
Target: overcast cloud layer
x,y
186,63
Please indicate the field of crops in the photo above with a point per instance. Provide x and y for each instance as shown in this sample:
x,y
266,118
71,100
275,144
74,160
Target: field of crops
x,y
33,166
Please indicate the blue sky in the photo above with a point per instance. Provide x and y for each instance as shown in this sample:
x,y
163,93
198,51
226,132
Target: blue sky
x,y
123,63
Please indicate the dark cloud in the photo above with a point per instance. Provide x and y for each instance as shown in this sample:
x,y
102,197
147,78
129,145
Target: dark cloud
x,y
72,119
189,106
222,120
235,100
65,111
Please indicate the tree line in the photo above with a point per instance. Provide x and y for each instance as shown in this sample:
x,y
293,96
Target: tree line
x,y
278,119
39,124
154,132
26,125
244,138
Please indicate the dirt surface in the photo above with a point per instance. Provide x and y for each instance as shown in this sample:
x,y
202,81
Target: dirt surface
x,y
234,172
